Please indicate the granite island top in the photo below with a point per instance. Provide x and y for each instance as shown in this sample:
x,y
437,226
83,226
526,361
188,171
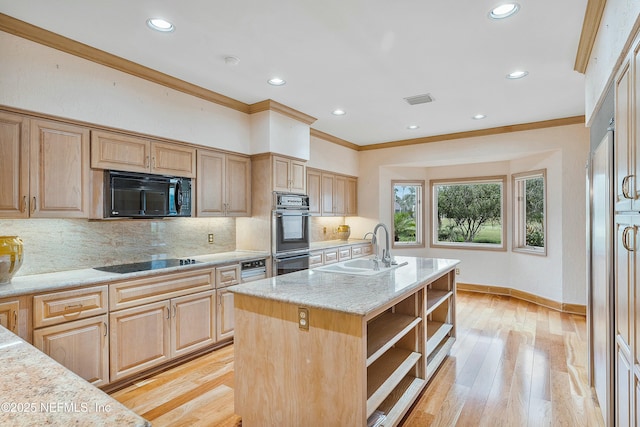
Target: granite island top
x,y
352,294
36,283
37,391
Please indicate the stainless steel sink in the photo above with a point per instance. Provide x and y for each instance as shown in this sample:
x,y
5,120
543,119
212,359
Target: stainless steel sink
x,y
358,267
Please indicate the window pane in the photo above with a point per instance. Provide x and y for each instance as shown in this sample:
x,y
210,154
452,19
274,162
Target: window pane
x,y
407,214
469,213
529,222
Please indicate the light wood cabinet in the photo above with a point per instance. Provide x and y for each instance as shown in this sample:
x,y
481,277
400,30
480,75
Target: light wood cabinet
x,y
289,175
192,322
82,346
128,153
14,166
155,319
139,338
314,188
45,172
72,328
223,184
9,315
331,194
59,170
226,276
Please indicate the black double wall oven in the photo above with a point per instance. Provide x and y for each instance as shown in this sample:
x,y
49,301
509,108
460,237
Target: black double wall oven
x,y
290,242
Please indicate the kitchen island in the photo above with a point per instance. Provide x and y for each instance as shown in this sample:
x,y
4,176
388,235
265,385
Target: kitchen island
x,y
338,349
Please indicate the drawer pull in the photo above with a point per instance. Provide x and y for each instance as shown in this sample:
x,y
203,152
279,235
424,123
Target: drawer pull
x,y
73,307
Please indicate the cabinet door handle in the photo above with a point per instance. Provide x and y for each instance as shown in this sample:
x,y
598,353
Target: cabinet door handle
x,y
33,207
146,162
625,187
15,321
153,160
106,328
24,204
175,310
625,239
168,312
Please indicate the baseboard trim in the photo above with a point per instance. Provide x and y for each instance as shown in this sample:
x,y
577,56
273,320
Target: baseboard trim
x,y
525,296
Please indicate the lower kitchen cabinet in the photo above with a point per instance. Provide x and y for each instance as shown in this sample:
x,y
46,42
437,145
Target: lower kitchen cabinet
x,y
82,346
145,336
9,315
192,322
226,322
139,338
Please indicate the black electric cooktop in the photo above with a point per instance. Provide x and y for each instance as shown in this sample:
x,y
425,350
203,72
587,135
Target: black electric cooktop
x,y
146,265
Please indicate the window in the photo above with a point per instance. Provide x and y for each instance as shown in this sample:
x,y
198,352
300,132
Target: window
x,y
407,213
529,212
469,213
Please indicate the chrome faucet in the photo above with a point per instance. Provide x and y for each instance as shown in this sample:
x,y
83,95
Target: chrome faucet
x,y
386,253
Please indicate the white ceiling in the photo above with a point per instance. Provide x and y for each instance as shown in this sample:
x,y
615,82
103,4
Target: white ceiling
x,y
364,56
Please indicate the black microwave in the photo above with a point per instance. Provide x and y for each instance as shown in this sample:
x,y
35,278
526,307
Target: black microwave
x,y
137,195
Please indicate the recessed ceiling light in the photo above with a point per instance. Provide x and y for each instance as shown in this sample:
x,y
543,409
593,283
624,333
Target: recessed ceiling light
x,y
231,60
479,117
160,24
517,74
276,81
504,10
338,112
412,127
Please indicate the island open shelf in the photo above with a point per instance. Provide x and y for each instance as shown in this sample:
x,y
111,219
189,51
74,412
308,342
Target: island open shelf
x,y
370,358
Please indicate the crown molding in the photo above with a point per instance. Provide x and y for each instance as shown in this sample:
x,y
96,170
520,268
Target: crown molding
x,y
481,132
590,25
271,105
334,139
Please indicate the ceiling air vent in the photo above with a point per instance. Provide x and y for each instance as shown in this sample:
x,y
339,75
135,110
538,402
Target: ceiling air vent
x,y
419,99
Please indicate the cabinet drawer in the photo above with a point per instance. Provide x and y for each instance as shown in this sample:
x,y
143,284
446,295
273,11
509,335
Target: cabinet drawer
x,y
60,307
359,251
344,254
330,256
315,259
157,288
227,275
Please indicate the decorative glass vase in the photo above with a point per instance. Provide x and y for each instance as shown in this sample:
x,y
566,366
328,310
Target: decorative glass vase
x,y
10,257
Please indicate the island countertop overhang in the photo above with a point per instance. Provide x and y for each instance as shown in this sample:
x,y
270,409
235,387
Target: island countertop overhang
x,y
352,294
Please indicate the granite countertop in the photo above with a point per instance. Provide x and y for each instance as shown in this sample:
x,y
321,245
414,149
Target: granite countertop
x,y
360,295
36,283
37,391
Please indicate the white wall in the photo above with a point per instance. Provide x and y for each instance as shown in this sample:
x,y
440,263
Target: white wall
x,y
328,156
561,150
37,78
614,34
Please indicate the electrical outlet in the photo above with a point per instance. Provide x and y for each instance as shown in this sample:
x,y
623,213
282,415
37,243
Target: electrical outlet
x,y
303,318
457,271
210,237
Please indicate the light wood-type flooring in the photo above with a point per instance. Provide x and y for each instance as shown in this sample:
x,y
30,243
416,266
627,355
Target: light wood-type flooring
x,y
514,364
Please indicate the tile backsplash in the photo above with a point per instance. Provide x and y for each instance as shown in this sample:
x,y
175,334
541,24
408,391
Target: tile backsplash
x,y
325,228
67,244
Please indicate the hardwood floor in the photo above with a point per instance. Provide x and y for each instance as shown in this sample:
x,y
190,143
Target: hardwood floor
x,y
514,364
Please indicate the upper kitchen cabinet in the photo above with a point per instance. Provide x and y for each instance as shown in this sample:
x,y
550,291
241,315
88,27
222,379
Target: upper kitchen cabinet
x,y
127,153
223,184
44,169
627,130
331,194
14,166
288,175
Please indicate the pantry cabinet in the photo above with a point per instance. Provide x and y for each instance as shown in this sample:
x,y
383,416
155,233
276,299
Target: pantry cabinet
x,y
223,184
110,150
